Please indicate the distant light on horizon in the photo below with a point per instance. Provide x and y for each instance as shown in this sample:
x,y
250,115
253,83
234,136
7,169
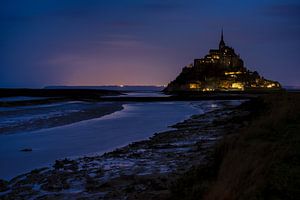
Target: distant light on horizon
x,y
88,42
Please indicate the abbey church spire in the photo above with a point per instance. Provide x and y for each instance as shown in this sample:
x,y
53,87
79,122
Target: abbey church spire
x,y
222,43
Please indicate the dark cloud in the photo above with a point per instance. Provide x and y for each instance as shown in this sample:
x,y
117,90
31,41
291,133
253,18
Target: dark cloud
x,y
284,21
126,24
284,10
163,6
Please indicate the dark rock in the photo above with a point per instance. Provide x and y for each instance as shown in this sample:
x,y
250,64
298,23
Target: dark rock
x,y
26,150
56,182
93,185
3,185
66,164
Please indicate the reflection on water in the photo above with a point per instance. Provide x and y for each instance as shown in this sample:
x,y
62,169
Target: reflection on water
x,y
136,122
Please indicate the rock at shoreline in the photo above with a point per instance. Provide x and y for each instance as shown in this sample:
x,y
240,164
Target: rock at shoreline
x,y
3,185
26,150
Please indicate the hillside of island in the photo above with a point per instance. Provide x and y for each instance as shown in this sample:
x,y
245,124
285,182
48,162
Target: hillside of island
x,y
221,70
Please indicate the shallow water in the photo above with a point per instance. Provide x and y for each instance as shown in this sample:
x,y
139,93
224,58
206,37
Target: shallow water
x,y
140,94
136,121
21,98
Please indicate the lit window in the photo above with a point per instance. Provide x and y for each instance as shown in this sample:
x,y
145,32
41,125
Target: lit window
x,y
238,86
194,86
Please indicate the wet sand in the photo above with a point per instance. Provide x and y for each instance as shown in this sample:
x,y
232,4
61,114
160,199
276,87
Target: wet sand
x,y
137,121
141,170
39,116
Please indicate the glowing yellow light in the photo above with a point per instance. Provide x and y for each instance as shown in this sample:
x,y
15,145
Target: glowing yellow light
x,y
237,85
271,85
207,89
194,86
232,73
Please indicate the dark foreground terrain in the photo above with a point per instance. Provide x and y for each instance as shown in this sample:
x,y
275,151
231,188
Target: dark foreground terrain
x,y
246,152
261,160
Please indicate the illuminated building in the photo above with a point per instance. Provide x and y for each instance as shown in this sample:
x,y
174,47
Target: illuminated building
x,y
224,56
220,70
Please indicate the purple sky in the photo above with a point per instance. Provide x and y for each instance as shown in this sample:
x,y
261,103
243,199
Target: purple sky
x,y
141,42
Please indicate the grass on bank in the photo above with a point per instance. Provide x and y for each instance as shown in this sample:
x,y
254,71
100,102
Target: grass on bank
x,y
260,161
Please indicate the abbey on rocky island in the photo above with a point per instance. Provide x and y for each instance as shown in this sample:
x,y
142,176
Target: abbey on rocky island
x,y
221,70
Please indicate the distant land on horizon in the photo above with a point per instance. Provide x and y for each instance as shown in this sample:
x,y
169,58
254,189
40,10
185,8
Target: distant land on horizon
x,y
124,87
112,87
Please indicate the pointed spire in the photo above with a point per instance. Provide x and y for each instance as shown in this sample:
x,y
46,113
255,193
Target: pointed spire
x,y
222,38
222,43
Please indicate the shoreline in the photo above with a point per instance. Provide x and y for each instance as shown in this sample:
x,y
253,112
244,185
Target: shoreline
x,y
258,161
135,122
92,112
146,160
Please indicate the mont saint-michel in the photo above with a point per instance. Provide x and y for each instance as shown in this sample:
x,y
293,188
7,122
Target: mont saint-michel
x,y
220,70
87,110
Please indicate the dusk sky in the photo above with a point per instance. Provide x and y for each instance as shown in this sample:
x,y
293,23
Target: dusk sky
x,y
141,42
